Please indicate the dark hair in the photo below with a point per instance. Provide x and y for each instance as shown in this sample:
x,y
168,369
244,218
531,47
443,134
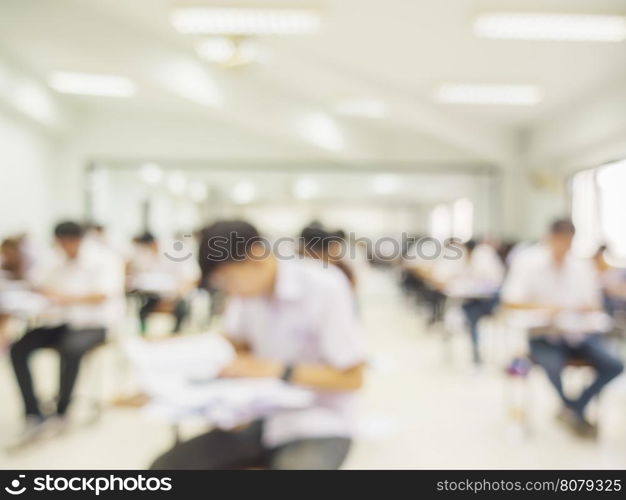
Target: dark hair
x,y
225,241
314,237
68,229
145,238
563,226
470,245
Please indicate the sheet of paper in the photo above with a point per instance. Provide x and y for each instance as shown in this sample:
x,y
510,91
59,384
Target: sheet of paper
x,y
180,376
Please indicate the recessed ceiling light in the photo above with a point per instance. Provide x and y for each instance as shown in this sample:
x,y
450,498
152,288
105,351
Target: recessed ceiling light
x,y
368,108
551,26
245,21
92,84
470,93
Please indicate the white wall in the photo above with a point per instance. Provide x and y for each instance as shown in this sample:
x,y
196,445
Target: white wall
x,y
26,167
583,136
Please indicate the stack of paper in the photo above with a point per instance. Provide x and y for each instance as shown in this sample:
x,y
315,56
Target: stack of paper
x,y
180,376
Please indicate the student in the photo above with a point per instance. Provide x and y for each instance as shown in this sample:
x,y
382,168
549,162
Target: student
x,y
329,247
476,277
612,281
13,267
83,288
420,262
292,320
175,279
568,322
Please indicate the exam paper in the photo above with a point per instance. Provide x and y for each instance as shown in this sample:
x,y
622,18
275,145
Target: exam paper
x,y
180,376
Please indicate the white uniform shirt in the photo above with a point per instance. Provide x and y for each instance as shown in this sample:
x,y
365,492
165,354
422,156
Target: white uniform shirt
x,y
156,273
534,278
93,271
310,318
480,273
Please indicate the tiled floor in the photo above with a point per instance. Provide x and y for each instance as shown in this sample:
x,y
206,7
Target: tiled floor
x,y
423,407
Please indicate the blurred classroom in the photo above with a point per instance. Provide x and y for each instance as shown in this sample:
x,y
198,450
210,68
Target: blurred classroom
x,y
437,189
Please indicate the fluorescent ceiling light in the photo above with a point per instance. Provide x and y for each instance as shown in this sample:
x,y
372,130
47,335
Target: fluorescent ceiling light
x,y
92,84
551,26
243,192
306,188
245,21
470,93
369,108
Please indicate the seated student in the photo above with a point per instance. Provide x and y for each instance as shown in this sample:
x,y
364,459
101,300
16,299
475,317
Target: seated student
x,y
612,281
292,320
161,281
420,262
568,322
329,247
84,288
13,267
476,277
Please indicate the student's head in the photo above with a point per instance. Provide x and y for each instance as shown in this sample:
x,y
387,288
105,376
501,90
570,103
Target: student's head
x,y
234,258
560,237
317,242
10,251
470,245
599,257
147,241
69,236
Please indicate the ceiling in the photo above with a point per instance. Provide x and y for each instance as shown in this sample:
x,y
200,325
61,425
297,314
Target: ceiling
x,y
396,51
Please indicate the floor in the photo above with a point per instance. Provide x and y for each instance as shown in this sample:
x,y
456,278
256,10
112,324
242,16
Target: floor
x,y
423,405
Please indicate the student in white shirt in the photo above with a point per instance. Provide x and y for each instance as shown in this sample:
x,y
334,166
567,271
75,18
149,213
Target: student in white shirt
x,y
288,319
161,280
476,277
563,294
84,289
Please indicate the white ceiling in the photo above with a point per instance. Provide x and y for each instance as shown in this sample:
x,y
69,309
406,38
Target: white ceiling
x,y
394,50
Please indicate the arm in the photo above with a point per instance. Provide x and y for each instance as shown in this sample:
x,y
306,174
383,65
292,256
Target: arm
x,y
318,376
66,300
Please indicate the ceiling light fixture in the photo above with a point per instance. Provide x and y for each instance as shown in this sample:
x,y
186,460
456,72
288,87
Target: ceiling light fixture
x,y
551,26
245,21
